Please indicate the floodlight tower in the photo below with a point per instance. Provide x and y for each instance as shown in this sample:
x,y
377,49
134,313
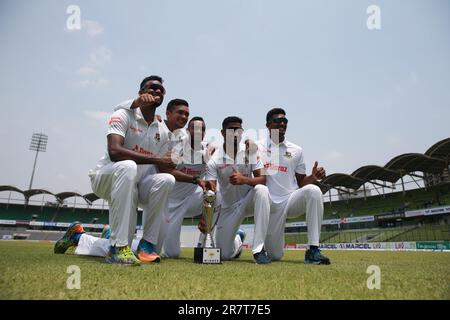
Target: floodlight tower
x,y
38,144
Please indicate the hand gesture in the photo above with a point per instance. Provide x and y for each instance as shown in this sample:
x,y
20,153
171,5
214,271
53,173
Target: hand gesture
x,y
237,178
318,172
145,100
210,185
203,184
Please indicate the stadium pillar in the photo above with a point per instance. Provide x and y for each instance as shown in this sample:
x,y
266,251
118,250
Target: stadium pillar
x,y
365,195
403,186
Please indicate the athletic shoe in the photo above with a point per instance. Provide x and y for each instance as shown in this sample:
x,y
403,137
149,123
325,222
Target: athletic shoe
x,y
146,252
241,234
68,240
262,257
314,256
122,256
106,232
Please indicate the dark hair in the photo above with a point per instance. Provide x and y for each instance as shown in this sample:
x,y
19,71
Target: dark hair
x,y
231,119
176,102
274,111
196,118
157,78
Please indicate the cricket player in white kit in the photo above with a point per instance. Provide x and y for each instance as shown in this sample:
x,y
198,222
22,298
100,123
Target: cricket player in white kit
x,y
186,197
242,191
125,175
292,193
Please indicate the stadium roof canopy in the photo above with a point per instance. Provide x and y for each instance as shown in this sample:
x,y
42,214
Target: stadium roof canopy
x,y
440,150
343,180
411,162
64,195
372,172
10,188
35,192
89,198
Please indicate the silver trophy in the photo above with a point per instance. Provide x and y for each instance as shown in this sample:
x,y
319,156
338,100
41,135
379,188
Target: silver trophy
x,y
206,251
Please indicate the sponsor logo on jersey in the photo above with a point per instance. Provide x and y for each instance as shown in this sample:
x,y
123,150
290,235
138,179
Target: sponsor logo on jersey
x,y
114,120
276,168
141,150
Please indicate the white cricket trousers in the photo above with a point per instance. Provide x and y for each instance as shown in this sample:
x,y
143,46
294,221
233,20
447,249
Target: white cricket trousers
x,y
255,203
307,199
120,184
169,235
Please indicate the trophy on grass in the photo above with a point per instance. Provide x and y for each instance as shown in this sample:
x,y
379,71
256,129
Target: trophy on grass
x,y
206,252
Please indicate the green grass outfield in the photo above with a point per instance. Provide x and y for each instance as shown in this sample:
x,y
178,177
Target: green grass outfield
x,y
31,271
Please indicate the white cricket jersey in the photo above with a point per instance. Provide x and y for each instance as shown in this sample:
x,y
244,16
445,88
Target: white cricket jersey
x,y
177,139
220,168
280,165
183,190
138,135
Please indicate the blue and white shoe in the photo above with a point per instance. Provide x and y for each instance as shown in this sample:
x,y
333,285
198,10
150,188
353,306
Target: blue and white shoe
x,y
241,234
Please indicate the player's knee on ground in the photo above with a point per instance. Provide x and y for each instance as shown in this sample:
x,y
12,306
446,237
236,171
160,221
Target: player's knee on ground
x,y
276,256
226,253
171,253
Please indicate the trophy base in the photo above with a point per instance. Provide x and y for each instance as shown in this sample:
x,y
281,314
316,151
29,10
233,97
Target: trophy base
x,y
207,255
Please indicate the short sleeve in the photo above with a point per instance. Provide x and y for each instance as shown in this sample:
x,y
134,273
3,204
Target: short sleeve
x,y
118,123
300,167
211,170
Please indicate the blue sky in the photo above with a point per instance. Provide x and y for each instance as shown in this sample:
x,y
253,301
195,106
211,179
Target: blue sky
x,y
353,96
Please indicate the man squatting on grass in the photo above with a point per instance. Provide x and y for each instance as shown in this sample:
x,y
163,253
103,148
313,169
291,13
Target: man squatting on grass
x,y
126,175
292,192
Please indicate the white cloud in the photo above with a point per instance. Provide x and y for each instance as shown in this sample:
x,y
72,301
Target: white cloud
x,y
92,28
96,83
98,59
97,115
87,71
100,56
